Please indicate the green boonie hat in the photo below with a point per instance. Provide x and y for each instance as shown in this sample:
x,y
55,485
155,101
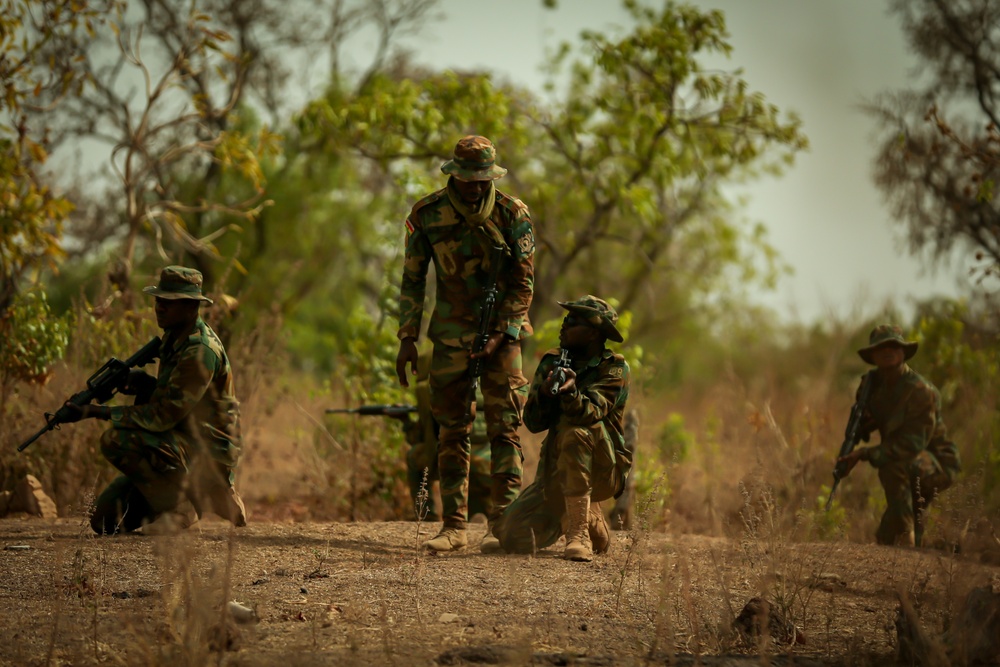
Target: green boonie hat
x,y
887,334
598,313
178,282
474,160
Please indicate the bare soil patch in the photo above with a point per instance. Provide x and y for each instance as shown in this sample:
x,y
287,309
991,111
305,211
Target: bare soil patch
x,y
364,594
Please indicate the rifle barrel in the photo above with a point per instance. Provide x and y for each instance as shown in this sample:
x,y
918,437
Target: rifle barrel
x,y
24,445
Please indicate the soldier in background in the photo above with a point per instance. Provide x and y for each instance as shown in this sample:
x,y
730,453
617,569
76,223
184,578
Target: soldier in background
x,y
915,459
584,458
456,228
178,445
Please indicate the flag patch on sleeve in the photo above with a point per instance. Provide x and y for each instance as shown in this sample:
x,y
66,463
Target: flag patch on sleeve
x,y
409,229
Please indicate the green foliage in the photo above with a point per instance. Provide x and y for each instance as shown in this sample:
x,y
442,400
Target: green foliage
x,y
39,49
32,339
674,442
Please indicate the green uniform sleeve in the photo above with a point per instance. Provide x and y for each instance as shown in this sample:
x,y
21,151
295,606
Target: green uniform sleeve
x,y
175,396
414,282
594,402
520,278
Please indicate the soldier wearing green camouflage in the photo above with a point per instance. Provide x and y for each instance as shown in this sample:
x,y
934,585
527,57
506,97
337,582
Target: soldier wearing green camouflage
x,y
422,436
915,459
454,228
178,445
584,459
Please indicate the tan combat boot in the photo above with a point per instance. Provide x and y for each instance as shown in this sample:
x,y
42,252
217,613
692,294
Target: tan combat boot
x,y
449,539
578,546
597,527
490,543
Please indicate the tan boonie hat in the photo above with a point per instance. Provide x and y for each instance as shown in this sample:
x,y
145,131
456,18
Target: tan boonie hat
x,y
474,160
598,313
178,282
887,334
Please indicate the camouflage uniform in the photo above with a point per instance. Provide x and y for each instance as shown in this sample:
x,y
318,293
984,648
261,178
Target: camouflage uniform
x,y
183,439
442,231
584,451
422,436
915,459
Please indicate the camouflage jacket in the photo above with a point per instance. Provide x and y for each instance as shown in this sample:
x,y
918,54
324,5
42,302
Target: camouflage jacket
x,y
435,231
602,386
194,395
907,415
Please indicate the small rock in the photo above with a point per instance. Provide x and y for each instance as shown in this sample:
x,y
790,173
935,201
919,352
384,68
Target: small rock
x,y
242,613
447,618
17,547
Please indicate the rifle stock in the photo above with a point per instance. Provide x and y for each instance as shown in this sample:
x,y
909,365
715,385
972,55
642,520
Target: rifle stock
x,y
852,433
101,387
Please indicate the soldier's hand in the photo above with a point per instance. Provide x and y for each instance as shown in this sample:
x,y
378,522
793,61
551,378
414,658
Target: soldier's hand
x,y
77,413
850,461
495,340
407,355
138,382
568,385
74,412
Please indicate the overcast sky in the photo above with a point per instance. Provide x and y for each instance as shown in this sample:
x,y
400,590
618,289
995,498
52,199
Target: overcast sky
x,y
819,58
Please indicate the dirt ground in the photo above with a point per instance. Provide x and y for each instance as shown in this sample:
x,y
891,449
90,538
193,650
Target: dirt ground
x,y
364,594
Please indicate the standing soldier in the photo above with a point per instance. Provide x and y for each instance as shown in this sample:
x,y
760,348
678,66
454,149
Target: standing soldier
x,y
584,457
457,228
181,438
915,459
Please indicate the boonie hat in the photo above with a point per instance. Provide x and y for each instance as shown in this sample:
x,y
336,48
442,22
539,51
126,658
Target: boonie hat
x,y
474,159
598,313
887,334
178,282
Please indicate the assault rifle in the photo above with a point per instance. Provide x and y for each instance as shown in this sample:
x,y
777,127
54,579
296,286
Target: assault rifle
x,y
396,411
101,387
852,434
560,371
485,328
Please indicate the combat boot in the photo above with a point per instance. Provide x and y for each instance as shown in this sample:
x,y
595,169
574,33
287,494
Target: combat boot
x,y
597,527
449,539
172,522
490,543
578,546
230,506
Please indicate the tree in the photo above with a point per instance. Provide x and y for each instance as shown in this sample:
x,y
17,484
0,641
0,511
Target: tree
x,y
623,174
938,160
31,213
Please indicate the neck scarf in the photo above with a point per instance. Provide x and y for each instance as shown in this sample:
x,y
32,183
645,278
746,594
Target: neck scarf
x,y
477,216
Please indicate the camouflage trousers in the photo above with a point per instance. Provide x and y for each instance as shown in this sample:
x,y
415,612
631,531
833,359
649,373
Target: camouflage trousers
x,y
157,474
909,487
505,391
575,461
423,456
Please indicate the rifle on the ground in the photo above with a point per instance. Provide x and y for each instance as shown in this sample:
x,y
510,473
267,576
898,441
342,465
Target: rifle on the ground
x,y
101,387
852,434
560,370
396,411
485,328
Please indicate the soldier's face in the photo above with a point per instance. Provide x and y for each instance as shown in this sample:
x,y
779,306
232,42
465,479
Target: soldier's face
x,y
471,191
576,333
888,356
174,313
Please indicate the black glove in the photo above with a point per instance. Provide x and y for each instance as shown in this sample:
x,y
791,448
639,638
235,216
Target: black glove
x,y
139,384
